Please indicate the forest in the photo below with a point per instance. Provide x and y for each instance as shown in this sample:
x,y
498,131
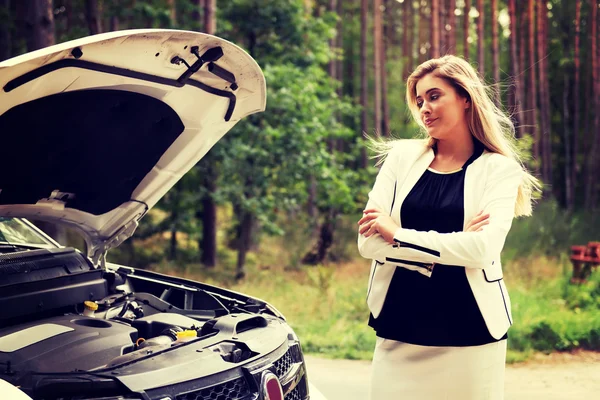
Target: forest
x,y
336,71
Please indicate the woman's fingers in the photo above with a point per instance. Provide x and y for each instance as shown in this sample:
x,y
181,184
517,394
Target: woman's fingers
x,y
369,217
364,227
370,210
478,227
480,217
368,229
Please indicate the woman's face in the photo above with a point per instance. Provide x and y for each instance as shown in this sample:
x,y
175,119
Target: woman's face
x,y
442,109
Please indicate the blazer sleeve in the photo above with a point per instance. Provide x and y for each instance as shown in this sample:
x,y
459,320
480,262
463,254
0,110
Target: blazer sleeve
x,y
468,249
381,197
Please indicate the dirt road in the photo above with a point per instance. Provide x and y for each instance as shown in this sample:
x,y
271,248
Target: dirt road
x,y
554,377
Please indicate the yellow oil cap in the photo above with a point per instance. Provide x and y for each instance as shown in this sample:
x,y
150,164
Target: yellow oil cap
x,y
90,305
186,334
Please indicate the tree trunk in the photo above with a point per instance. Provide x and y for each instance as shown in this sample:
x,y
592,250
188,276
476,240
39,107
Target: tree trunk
x,y
5,28
364,22
326,233
495,52
339,39
407,39
172,13
377,47
69,15
435,28
244,239
466,25
526,107
450,28
91,16
386,42
130,19
114,23
480,38
208,243
571,170
349,52
443,17
198,5
592,173
516,106
424,44
208,214
210,20
567,140
332,44
545,134
173,244
532,89
39,24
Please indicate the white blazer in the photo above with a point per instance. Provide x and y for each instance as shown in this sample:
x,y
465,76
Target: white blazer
x,y
491,185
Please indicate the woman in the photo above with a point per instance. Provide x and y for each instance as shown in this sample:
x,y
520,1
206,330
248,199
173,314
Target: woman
x,y
434,226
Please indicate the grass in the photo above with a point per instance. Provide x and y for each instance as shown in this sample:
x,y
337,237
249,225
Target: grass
x,y
326,305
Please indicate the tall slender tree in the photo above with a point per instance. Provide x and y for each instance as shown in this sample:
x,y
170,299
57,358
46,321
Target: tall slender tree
x,y
495,51
450,28
407,38
208,210
532,103
210,19
364,22
114,18
515,72
591,171
571,175
339,44
386,42
480,38
92,17
377,51
39,24
333,43
544,91
435,28
172,13
197,7
424,41
466,26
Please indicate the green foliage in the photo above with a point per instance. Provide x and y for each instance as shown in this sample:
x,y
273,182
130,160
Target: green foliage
x,y
550,231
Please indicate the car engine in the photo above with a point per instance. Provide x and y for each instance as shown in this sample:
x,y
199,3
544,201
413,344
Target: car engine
x,y
69,330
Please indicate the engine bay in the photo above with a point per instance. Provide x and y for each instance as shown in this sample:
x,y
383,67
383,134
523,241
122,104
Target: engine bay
x,y
60,314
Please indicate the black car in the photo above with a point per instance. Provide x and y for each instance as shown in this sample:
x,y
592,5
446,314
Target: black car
x,y
95,131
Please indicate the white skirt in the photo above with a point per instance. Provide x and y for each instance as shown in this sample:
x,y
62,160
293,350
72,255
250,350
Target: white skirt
x,y
403,371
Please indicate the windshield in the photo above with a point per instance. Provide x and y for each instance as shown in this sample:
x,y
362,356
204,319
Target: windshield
x,y
15,231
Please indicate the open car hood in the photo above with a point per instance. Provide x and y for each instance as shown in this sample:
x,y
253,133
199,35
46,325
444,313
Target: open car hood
x,y
95,131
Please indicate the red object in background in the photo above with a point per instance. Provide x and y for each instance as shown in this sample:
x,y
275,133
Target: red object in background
x,y
584,259
593,251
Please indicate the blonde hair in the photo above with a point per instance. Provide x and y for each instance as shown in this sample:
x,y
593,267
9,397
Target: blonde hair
x,y
487,123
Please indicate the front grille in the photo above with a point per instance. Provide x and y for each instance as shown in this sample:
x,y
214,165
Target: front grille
x,y
240,389
282,365
294,394
232,390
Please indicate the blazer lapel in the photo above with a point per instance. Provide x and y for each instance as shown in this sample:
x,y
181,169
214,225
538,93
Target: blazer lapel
x,y
473,189
415,172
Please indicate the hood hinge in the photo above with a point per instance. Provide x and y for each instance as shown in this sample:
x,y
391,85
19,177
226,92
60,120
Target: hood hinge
x,y
98,252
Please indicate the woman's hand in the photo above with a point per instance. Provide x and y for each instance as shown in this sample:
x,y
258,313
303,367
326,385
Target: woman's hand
x,y
374,221
478,222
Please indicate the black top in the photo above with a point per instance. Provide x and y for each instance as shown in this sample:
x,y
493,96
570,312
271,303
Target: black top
x,y
439,310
